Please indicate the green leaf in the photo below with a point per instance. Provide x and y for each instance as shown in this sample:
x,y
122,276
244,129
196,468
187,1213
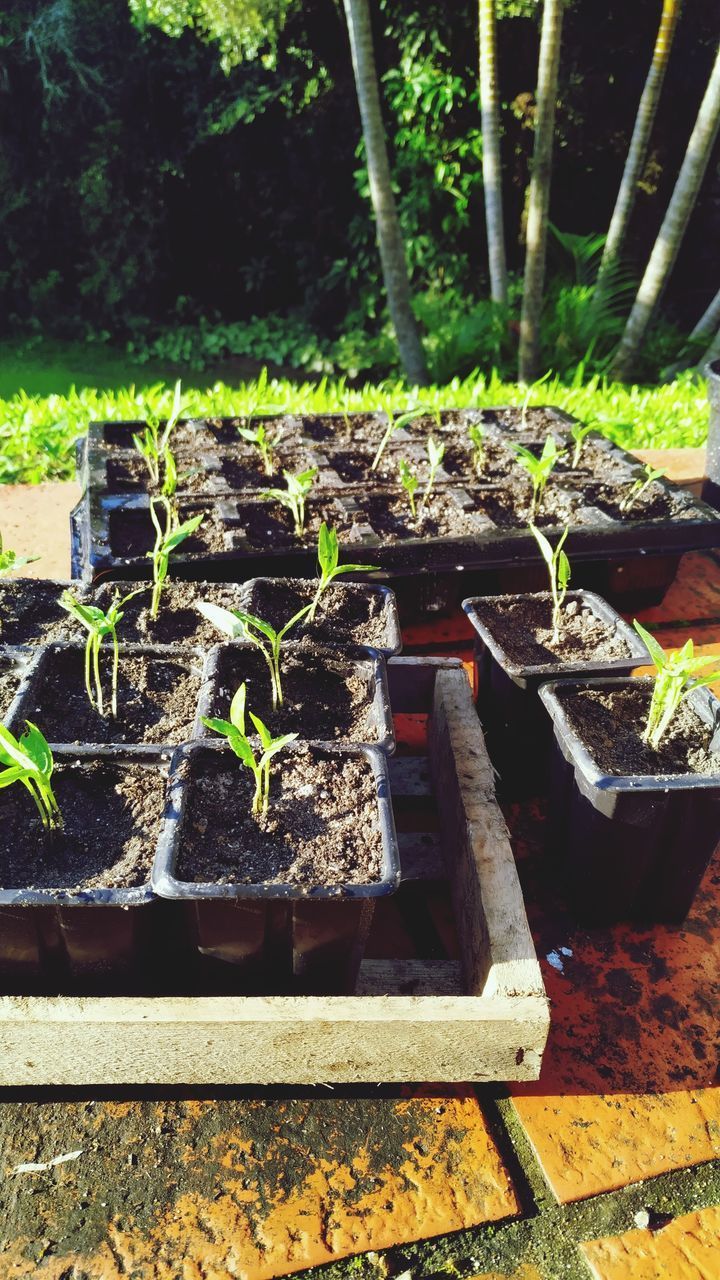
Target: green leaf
x,y
237,709
563,570
264,732
224,619
545,548
36,745
328,550
218,726
656,651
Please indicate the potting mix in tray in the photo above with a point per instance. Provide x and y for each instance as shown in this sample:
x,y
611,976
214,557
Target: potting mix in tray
x,y
201,762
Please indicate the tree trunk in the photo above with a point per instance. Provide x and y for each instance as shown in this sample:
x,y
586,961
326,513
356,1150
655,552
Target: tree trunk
x,y
638,146
389,235
492,167
705,327
667,245
712,352
539,202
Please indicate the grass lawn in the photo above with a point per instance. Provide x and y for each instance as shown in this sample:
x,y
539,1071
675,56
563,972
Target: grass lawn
x,y
49,392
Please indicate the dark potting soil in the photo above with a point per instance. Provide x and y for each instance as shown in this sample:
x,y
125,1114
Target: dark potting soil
x,y
132,533
509,505
111,822
523,627
347,613
390,516
322,826
30,613
656,503
324,698
611,723
157,699
10,674
212,473
268,524
179,621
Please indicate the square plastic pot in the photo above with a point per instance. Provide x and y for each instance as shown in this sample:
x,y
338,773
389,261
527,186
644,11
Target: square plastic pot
x,y
631,847
365,662
517,729
277,936
55,939
393,634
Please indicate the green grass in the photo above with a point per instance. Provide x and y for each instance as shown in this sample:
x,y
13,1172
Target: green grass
x,y
50,392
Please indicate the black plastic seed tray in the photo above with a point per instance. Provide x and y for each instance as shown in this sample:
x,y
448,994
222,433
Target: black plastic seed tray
x,y
623,556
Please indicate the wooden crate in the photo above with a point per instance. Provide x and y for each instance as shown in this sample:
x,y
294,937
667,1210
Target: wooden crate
x,y
481,1016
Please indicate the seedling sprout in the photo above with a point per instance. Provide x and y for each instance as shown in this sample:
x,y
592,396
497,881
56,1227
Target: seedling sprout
x,y
328,556
294,496
526,399
559,570
10,561
539,469
394,424
151,443
579,434
29,760
435,453
239,625
99,625
476,434
675,678
409,482
234,731
265,446
167,540
639,486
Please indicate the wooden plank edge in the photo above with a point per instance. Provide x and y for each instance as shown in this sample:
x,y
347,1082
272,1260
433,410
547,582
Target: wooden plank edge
x,y
498,952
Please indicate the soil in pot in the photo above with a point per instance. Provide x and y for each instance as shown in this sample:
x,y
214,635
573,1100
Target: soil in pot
x,y
179,621
523,628
157,699
347,613
10,675
132,533
610,723
30,613
391,518
324,698
322,827
112,813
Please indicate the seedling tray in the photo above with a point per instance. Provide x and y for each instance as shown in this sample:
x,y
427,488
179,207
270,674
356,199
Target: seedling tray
x,y
620,557
473,1010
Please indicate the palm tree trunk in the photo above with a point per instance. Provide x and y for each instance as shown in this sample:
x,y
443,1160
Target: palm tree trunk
x,y
389,235
667,245
492,167
539,202
706,325
712,352
638,146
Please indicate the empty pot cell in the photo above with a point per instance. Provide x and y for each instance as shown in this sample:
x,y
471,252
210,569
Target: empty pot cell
x,y
348,613
157,697
509,505
11,672
30,613
655,503
132,534
269,524
355,466
390,517
129,474
179,620
188,435
328,698
536,423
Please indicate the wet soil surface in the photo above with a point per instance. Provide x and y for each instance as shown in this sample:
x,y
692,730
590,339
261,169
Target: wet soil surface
x,y
179,621
611,725
522,626
157,699
322,827
111,822
30,613
347,614
324,698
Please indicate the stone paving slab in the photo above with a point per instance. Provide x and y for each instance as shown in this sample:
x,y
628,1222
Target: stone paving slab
x,y
686,1249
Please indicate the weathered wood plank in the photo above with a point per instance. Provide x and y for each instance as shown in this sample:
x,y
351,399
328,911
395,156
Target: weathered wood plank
x,y
497,947
410,978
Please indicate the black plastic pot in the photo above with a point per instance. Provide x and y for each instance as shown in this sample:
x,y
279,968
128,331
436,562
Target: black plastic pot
x,y
517,730
429,574
277,936
55,940
41,618
711,485
14,665
367,663
335,639
27,704
628,847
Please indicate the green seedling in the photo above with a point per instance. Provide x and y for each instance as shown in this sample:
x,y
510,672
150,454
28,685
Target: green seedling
x,y
169,533
29,760
265,446
526,399
675,678
409,482
476,435
239,625
234,731
639,486
394,424
152,443
170,477
539,469
559,570
294,496
10,561
435,453
99,626
579,434
254,399
328,557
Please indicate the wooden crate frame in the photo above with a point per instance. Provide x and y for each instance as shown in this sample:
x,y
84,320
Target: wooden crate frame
x,y
483,1018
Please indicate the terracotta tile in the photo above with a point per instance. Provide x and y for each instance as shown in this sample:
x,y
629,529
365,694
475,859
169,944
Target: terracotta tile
x,y
684,466
686,1249
255,1189
695,593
